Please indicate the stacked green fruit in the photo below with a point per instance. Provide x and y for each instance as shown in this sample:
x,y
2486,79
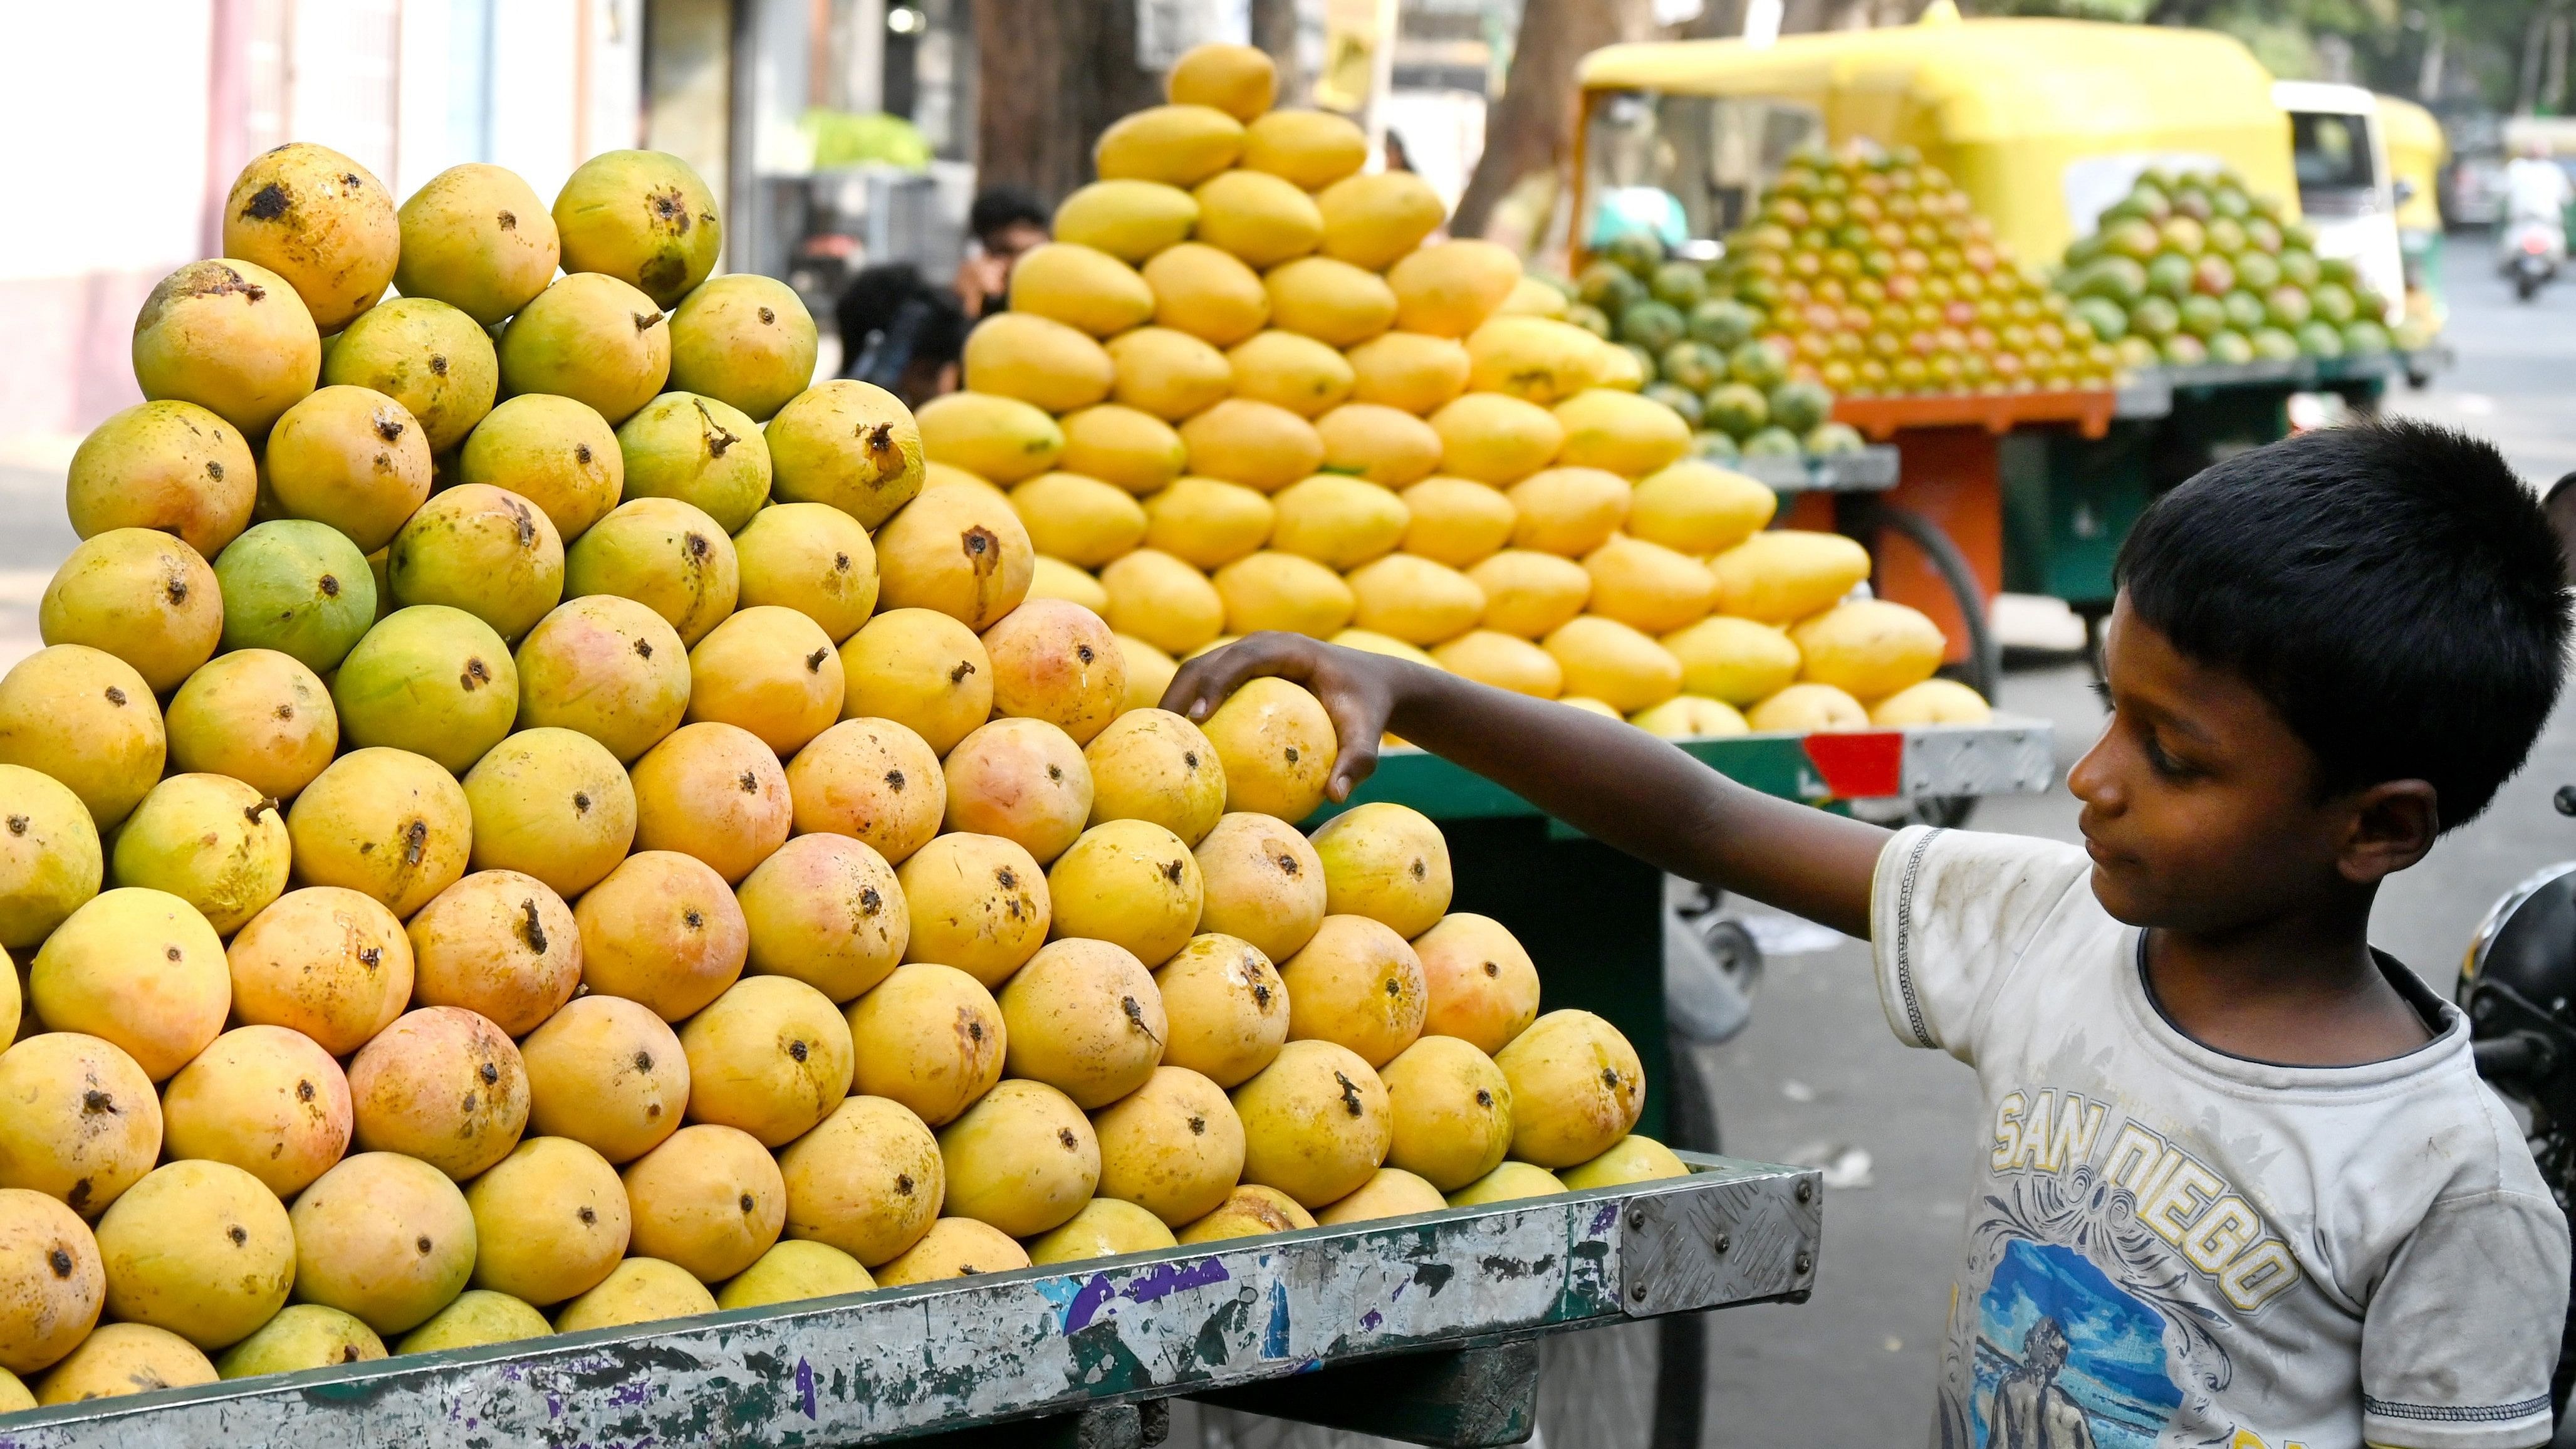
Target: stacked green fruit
x,y
2194,269
1703,354
1872,275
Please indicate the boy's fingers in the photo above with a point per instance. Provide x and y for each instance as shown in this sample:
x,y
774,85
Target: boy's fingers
x,y
1204,683
1356,762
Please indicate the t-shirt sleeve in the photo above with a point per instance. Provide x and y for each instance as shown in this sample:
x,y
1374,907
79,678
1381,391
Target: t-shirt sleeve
x,y
1950,911
2458,1341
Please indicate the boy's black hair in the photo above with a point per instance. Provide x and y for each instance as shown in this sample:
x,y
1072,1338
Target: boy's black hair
x,y
999,206
2391,588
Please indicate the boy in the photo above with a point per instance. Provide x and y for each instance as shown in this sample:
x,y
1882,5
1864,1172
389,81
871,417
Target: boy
x,y
2244,1187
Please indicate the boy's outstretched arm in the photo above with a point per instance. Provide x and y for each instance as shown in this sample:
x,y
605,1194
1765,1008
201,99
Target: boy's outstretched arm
x,y
1610,780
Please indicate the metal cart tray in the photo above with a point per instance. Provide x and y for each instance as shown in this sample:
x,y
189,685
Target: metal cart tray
x,y
1871,470
1085,1341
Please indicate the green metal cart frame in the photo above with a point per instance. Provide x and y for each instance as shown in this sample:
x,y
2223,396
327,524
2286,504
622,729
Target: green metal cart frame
x,y
1421,1328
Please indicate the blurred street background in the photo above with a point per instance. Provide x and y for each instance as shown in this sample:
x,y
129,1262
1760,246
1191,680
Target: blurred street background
x,y
847,134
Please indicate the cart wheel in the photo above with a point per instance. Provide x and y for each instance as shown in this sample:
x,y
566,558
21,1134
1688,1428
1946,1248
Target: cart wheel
x,y
1985,658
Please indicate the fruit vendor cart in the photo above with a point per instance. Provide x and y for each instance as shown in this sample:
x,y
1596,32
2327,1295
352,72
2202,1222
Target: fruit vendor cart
x,y
1422,1329
2041,123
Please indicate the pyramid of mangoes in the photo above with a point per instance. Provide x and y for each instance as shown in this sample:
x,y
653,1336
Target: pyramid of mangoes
x,y
533,816
1246,387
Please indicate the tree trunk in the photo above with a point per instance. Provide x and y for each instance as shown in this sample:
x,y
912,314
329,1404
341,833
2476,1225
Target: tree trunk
x,y
1051,75
1530,129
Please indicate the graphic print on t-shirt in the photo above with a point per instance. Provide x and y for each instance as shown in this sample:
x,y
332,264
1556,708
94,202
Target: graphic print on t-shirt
x,y
2087,1333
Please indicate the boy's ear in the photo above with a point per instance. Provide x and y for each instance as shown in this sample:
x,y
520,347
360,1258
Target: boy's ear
x,y
2392,825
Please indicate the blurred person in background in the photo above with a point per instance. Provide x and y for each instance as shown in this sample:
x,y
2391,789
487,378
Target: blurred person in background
x,y
1004,222
901,332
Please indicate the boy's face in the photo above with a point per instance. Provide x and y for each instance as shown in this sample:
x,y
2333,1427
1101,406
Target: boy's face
x,y
2201,810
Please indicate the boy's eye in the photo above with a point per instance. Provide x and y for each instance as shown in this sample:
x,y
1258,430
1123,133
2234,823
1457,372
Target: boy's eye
x,y
2102,692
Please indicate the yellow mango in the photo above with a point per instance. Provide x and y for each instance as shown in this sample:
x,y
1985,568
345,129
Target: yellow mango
x,y
1053,578
1178,145
1699,508
1080,520
1808,709
1275,590
1149,672
1337,521
1457,522
1530,594
1082,287
1207,292
1162,600
1123,445
1648,586
1257,218
1449,288
1690,717
1311,149
1577,1088
1333,302
1620,431
1409,370
1236,79
1530,358
1023,355
1503,661
1783,574
1933,702
1260,445
1606,660
1374,218
1129,219
1869,648
1631,1159
1169,373
996,438
1490,438
1384,445
1568,511
1207,522
1735,660
1294,372
1414,599
1530,297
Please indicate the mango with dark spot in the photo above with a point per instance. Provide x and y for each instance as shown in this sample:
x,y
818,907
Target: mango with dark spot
x,y
930,1038
976,902
199,1248
1357,984
320,220
210,840
387,823
1250,1211
1227,1005
592,338
1277,746
607,1073
441,1084
1453,1112
744,338
498,943
1316,1123
232,338
301,1336
350,457
433,359
1024,1159
50,861
385,1238
477,238
557,453
139,968
1577,1088
1483,985
1057,661
1262,882
550,1222
1130,883
1153,765
850,444
813,558
662,553
257,715
771,1056
1173,1147
325,961
431,679
868,1181
664,931
1083,1017
920,669
1387,862
709,1200
700,450
298,587
265,1099
85,718
57,1283
485,550
643,217
124,1358
715,792
770,671
171,466
826,911
608,667
957,549
1022,779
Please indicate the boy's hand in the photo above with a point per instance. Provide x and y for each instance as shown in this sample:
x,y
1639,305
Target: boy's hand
x,y
1358,689
1605,777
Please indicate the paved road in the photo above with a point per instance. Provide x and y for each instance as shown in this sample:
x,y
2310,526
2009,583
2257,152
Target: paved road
x,y
1818,1073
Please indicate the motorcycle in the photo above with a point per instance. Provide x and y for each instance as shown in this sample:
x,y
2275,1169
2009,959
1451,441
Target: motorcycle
x,y
2531,251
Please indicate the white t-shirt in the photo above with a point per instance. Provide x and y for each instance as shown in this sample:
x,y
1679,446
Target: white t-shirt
x,y
2171,1246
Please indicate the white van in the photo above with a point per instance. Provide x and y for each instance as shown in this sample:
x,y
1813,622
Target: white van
x,y
2345,193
